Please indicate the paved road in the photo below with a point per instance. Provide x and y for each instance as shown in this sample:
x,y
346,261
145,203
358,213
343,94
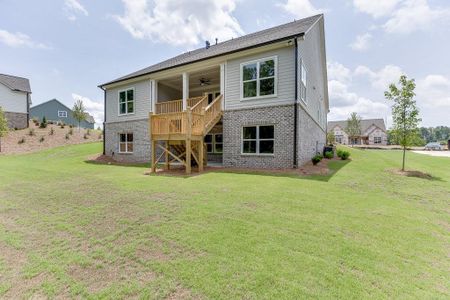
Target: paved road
x,y
435,153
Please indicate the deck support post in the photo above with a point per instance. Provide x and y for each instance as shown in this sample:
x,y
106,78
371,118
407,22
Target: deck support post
x,y
200,156
188,141
166,156
153,156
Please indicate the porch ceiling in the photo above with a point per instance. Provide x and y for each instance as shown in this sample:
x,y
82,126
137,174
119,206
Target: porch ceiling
x,y
211,74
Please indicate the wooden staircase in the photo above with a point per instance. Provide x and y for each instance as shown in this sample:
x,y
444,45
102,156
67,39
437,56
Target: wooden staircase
x,y
180,134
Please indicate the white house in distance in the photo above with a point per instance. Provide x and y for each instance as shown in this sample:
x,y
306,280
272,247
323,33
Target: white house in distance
x,y
373,132
15,100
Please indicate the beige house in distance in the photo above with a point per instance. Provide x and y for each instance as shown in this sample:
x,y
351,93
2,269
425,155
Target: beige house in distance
x,y
373,132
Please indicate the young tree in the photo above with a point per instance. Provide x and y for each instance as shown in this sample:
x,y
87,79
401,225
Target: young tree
x,y
3,126
405,114
331,138
79,112
353,126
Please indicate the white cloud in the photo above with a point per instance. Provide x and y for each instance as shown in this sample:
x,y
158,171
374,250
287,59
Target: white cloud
x,y
19,39
433,91
362,42
339,72
382,78
300,8
180,22
344,101
404,16
94,108
414,15
73,8
376,8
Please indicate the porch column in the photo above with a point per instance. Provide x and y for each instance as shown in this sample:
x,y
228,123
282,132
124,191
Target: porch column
x,y
222,83
154,93
185,89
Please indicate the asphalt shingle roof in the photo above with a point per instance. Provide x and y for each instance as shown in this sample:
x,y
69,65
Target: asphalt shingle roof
x,y
365,124
16,83
274,34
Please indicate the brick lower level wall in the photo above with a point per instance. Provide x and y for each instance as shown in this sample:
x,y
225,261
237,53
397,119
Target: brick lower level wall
x,y
141,144
311,137
16,120
282,117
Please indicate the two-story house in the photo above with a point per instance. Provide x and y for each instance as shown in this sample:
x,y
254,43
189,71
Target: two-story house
x,y
373,132
15,100
257,101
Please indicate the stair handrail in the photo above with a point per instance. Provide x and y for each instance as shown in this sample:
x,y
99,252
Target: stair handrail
x,y
198,107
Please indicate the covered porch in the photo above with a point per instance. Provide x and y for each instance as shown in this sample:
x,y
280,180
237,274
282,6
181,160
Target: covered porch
x,y
185,108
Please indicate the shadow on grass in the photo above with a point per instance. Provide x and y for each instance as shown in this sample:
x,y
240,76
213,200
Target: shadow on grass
x,y
334,166
118,164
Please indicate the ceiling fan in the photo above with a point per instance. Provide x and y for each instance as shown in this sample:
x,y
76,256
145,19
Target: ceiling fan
x,y
205,81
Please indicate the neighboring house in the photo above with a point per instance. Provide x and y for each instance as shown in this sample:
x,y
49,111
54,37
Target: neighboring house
x,y
257,101
373,132
15,100
53,110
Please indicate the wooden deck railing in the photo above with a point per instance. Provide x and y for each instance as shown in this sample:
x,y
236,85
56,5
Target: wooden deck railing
x,y
174,106
193,121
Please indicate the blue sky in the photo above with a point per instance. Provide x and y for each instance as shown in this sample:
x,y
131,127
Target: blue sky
x,y
67,47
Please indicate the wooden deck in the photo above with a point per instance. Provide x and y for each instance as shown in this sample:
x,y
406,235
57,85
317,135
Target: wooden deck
x,y
183,131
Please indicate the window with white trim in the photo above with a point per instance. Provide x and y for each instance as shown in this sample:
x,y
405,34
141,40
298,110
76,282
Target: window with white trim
x,y
259,78
377,139
303,81
62,114
126,102
214,143
338,139
125,143
258,139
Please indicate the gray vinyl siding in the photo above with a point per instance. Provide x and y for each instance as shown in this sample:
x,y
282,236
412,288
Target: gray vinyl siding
x,y
285,80
50,109
142,103
309,51
13,101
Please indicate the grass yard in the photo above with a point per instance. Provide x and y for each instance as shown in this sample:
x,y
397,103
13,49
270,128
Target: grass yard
x,y
69,228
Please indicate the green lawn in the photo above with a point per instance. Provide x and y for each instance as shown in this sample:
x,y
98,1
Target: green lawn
x,y
69,228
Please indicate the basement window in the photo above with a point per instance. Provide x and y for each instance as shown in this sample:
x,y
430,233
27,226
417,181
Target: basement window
x,y
214,143
125,143
258,139
62,114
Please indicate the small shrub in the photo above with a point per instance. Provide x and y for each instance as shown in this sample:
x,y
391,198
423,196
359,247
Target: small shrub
x,y
43,123
71,131
316,159
70,126
88,132
85,136
41,139
67,136
100,136
31,132
98,128
329,154
21,141
339,152
52,131
15,128
345,155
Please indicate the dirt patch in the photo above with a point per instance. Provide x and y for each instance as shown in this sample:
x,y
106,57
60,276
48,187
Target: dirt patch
x,y
43,139
181,293
412,173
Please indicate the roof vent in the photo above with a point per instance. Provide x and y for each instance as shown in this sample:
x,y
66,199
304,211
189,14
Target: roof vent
x,y
207,44
217,40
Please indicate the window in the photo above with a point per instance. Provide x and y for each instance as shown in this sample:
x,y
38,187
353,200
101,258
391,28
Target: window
x,y
338,139
126,102
377,140
214,143
258,139
62,114
126,143
259,78
303,81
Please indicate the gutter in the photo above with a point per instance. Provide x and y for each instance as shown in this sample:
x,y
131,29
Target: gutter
x,y
104,120
295,163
